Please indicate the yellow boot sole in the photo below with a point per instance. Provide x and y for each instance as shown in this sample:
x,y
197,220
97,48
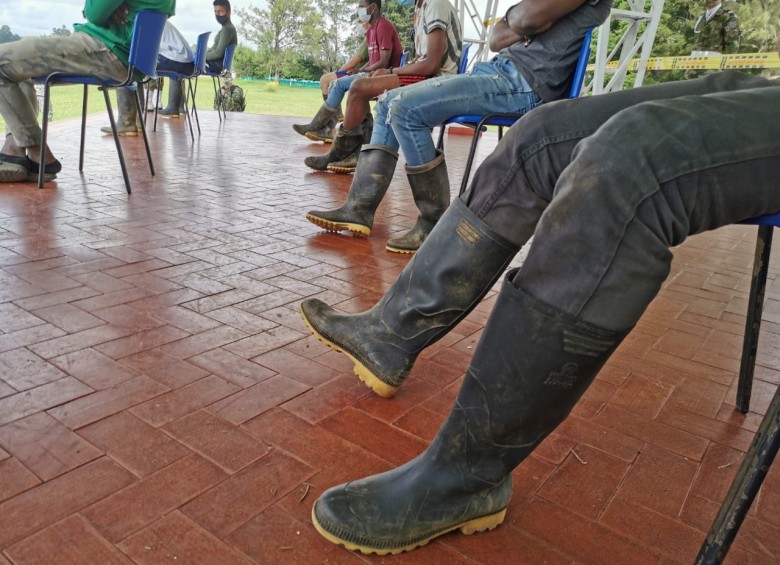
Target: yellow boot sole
x,y
358,229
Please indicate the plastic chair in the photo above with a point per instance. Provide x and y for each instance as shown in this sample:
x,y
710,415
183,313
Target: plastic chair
x,y
227,66
507,120
144,48
404,58
763,449
463,64
199,63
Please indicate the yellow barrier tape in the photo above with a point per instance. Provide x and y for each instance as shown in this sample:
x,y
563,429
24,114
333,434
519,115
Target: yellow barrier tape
x,y
737,61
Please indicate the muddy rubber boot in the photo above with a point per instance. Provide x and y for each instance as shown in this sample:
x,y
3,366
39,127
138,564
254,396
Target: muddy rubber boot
x,y
347,166
344,144
442,283
321,127
174,107
369,185
127,115
431,190
531,366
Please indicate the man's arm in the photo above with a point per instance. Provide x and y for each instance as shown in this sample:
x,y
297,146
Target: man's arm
x,y
99,12
437,47
531,17
382,63
221,42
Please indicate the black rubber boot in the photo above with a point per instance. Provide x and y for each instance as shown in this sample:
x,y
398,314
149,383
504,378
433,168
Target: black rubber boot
x,y
369,185
348,165
431,190
345,143
442,283
532,365
175,106
321,127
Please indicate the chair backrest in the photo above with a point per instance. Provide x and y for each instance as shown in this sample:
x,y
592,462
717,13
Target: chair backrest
x,y
404,57
145,45
464,59
227,62
200,52
582,65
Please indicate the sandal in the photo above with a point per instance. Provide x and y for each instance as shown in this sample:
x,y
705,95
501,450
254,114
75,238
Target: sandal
x,y
13,168
49,171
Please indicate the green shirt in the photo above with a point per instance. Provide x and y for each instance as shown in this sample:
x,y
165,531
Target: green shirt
x,y
226,36
117,37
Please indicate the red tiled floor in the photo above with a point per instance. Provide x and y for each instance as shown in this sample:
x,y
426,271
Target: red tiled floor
x,y
161,400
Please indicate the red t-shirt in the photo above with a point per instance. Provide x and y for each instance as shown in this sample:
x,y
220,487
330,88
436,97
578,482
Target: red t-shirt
x,y
383,35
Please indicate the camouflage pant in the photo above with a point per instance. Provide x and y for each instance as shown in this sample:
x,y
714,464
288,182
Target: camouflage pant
x,y
38,57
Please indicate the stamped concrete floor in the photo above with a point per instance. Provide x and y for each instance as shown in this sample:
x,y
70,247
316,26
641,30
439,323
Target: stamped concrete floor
x,y
162,402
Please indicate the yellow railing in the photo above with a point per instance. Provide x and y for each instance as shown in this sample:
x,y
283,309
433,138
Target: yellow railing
x,y
715,62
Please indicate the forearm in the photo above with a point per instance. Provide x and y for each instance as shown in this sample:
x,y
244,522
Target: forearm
x,y
382,63
501,36
352,63
532,17
425,67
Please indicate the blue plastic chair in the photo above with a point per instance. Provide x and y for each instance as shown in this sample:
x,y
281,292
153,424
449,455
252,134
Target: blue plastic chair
x,y
764,447
404,58
144,48
507,120
463,64
199,63
227,66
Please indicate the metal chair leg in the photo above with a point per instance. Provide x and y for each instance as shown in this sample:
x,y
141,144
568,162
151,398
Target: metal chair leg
x,y
143,132
44,133
753,323
217,98
743,490
116,138
83,126
194,108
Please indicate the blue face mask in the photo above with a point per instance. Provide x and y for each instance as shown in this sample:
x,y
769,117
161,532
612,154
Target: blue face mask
x,y
406,2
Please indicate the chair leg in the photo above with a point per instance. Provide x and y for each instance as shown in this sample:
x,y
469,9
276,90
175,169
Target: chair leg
x,y
187,116
440,143
753,323
464,183
743,490
194,108
83,127
143,131
217,98
157,103
44,132
116,138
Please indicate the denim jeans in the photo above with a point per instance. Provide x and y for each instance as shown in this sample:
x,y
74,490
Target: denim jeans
x,y
405,116
607,184
339,87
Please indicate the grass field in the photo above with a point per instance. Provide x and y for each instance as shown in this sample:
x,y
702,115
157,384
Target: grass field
x,y
260,99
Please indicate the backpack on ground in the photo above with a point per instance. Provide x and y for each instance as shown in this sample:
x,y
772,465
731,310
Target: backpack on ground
x,y
232,98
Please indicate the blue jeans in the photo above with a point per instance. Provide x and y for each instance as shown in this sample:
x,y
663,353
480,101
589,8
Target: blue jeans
x,y
405,116
607,184
339,87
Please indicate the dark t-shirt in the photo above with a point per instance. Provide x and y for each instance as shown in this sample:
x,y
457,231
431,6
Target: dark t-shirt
x,y
383,35
548,61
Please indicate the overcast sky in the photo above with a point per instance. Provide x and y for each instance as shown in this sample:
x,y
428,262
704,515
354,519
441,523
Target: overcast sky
x,y
38,17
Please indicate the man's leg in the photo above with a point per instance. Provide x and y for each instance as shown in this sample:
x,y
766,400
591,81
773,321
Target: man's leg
x,y
38,57
705,161
495,86
321,127
510,191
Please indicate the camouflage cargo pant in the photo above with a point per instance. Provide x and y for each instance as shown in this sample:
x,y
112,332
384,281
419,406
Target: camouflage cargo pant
x,y
31,57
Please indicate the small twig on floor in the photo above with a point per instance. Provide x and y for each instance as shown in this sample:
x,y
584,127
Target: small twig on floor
x,y
305,492
726,465
577,455
272,490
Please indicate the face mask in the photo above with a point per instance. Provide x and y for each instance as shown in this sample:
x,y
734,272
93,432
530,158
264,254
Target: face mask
x,y
223,20
363,15
406,2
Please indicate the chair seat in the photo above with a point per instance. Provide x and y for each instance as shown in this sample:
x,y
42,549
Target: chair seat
x,y
765,220
473,119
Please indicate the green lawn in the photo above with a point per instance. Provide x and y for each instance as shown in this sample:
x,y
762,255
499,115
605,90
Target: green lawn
x,y
260,99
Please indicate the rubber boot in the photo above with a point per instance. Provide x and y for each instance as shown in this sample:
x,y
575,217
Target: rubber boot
x,y
174,107
369,185
127,115
348,165
442,283
345,143
531,366
431,190
322,126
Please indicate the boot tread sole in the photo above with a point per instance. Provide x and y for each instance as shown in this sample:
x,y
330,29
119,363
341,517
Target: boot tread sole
x,y
469,527
315,137
361,371
357,229
399,249
343,170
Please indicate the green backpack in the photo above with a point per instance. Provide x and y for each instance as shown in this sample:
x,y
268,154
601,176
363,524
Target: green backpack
x,y
232,99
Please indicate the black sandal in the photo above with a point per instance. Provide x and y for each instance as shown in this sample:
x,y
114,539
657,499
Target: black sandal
x,y
49,171
13,168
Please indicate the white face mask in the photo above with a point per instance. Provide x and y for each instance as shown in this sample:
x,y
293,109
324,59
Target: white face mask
x,y
363,14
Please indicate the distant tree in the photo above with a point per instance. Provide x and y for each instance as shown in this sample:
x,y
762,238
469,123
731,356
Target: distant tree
x,y
6,35
759,21
60,32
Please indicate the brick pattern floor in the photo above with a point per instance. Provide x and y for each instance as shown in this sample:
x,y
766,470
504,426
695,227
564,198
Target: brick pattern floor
x,y
160,398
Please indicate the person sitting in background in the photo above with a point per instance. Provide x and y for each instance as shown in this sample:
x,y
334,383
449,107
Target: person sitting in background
x,y
717,30
384,50
175,55
101,46
438,44
225,37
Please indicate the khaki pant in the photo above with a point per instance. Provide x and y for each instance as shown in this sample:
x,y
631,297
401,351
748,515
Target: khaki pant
x,y
32,57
